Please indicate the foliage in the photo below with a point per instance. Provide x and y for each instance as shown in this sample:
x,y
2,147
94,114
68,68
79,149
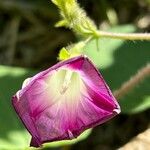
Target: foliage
x,y
28,39
110,66
116,60
12,132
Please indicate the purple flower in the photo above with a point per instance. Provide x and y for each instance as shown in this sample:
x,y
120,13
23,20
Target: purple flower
x,y
64,100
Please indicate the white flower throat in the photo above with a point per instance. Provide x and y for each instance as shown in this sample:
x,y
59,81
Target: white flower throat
x,y
65,85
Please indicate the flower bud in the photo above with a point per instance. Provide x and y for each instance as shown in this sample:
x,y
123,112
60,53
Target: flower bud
x,y
64,100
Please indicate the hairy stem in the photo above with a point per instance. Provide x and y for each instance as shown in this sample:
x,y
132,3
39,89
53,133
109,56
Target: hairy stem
x,y
125,36
132,82
75,18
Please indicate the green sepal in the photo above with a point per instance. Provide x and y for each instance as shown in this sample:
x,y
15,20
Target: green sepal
x,y
63,54
62,23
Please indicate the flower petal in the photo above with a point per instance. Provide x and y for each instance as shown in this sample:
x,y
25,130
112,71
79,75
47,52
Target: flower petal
x,y
64,100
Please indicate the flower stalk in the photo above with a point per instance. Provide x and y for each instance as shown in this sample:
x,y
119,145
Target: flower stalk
x,y
75,18
125,36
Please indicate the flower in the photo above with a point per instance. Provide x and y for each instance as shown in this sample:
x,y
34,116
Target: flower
x,y
64,100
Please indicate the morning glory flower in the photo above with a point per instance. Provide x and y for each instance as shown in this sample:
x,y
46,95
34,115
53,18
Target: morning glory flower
x,y
64,100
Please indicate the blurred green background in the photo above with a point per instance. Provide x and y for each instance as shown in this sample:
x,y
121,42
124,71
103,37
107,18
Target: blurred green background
x,y
30,43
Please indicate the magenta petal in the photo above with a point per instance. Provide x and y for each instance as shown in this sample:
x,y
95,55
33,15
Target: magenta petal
x,y
64,100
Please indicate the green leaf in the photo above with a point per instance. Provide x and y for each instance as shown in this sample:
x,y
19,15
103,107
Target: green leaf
x,y
118,60
12,133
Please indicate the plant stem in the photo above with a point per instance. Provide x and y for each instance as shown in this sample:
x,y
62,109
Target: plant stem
x,y
132,82
125,36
